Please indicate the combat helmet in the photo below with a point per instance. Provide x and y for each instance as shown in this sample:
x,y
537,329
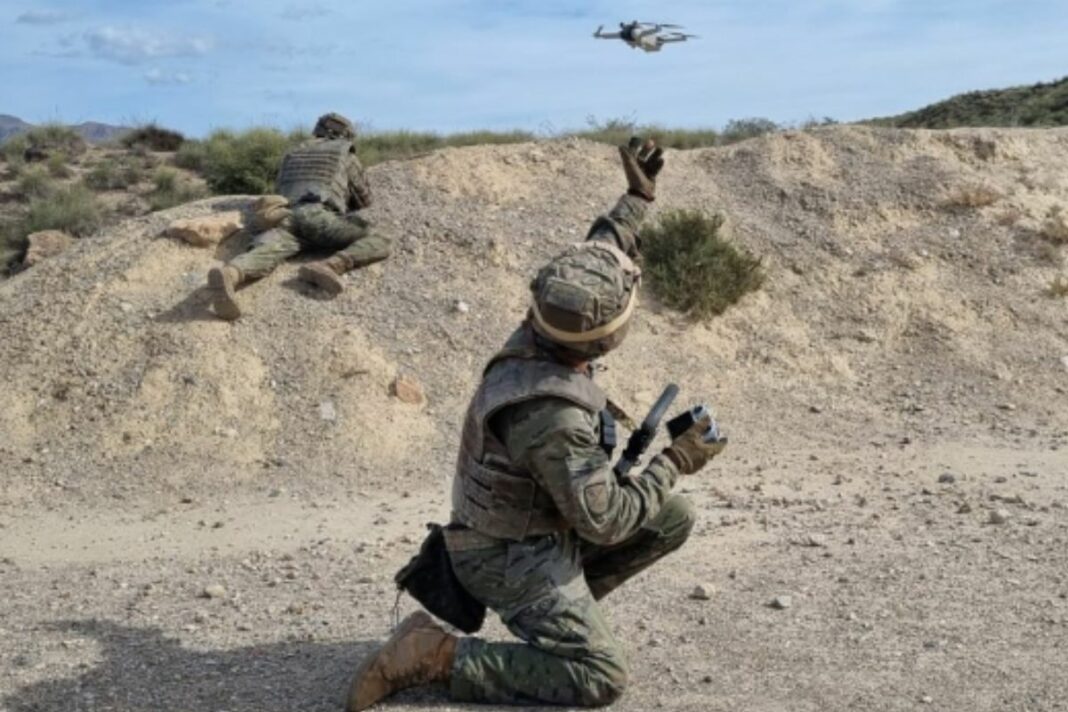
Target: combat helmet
x,y
334,125
584,298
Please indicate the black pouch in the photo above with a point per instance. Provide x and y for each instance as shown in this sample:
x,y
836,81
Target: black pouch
x,y
429,579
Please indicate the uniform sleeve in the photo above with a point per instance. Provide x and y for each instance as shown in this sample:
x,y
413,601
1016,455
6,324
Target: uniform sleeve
x,y
359,187
558,443
621,225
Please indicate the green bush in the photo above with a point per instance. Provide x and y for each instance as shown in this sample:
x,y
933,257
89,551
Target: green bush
x,y
34,182
240,163
619,131
693,268
171,190
742,129
73,209
153,137
12,245
192,156
56,138
13,149
57,166
113,174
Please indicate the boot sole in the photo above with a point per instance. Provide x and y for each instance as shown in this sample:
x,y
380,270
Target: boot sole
x,y
223,298
329,283
415,620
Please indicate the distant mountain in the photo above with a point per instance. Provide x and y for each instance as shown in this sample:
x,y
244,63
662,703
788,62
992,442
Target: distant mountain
x,y
91,131
10,125
1044,104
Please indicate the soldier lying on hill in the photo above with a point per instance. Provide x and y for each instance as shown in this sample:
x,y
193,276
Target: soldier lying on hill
x,y
542,528
324,186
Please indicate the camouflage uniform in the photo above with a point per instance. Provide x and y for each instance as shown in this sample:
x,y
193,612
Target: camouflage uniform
x,y
587,535
327,222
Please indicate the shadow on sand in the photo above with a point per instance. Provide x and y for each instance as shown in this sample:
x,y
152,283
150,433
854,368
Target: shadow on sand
x,y
141,670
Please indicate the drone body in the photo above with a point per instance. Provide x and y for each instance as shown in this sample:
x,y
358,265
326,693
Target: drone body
x,y
646,36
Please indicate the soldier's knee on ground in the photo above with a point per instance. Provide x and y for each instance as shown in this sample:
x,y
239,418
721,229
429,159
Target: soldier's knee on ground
x,y
607,680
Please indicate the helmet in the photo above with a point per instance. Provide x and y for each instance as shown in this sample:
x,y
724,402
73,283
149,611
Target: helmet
x,y
584,298
334,126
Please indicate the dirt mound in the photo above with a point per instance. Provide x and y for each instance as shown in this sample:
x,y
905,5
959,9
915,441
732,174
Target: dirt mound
x,y
889,313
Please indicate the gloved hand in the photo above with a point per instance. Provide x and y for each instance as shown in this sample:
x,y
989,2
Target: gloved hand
x,y
692,450
641,163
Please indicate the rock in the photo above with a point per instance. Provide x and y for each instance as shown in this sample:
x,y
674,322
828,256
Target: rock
x,y
214,590
207,230
44,245
1007,406
999,516
327,411
781,603
1064,362
407,390
947,478
703,592
461,306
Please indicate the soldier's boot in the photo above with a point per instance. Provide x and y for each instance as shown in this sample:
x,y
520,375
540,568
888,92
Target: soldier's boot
x,y
418,653
325,274
223,281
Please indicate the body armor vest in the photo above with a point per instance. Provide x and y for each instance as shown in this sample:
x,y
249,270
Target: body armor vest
x,y
490,493
316,171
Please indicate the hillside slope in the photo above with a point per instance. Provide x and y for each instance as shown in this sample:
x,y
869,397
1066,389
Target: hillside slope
x,y
1036,105
883,308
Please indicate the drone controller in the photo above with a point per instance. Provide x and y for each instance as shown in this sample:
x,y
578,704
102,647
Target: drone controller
x,y
684,421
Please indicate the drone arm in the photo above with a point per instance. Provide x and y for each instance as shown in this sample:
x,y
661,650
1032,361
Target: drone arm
x,y
607,35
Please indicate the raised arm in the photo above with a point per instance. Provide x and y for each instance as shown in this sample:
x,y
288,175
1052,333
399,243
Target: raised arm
x,y
641,164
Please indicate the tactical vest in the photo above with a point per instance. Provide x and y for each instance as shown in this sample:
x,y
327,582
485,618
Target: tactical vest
x,y
490,494
316,171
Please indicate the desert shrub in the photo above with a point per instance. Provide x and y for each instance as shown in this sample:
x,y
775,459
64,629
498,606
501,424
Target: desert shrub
x,y
55,138
1055,229
73,209
1058,288
692,267
170,189
113,174
191,155
12,244
377,147
57,166
13,149
618,131
742,129
34,182
971,196
153,137
245,162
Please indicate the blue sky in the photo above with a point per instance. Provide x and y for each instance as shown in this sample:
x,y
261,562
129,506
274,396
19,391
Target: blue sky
x,y
466,64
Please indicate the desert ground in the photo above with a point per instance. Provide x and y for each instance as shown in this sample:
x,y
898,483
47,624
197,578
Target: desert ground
x,y
199,515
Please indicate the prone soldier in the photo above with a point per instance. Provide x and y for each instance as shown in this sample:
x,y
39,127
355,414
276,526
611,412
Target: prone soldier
x,y
324,186
542,529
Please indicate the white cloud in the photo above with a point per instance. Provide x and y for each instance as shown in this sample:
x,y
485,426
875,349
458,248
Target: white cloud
x,y
42,17
134,46
158,77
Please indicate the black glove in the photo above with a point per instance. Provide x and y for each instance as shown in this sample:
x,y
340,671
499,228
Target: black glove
x,y
641,163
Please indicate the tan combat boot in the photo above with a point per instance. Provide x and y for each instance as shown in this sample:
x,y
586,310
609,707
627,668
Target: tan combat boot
x,y
419,652
222,281
325,274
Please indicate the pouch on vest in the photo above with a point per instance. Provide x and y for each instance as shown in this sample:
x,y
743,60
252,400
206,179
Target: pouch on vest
x,y
429,579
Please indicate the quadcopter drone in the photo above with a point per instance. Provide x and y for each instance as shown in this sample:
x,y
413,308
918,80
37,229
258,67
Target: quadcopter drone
x,y
647,36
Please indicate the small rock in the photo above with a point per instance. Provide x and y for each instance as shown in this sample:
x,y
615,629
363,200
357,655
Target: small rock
x,y
1064,362
864,336
781,603
407,390
207,230
1007,406
947,478
44,245
815,409
703,592
461,306
926,699
214,590
327,411
999,516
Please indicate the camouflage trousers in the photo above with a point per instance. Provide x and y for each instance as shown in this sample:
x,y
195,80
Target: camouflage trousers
x,y
545,589
313,227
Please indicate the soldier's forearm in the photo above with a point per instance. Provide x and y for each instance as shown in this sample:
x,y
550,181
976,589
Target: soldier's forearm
x,y
622,224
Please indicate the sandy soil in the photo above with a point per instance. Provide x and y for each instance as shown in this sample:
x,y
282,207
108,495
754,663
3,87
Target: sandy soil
x,y
196,515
